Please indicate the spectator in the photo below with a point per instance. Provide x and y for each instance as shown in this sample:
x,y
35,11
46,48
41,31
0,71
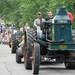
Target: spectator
x,y
70,16
50,15
39,20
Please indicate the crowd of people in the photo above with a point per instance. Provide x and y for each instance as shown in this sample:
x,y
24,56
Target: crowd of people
x,y
4,36
39,20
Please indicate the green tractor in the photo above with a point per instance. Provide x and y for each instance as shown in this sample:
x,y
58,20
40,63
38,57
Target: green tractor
x,y
52,42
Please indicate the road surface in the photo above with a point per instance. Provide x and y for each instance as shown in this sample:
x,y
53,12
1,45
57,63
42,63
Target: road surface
x,y
8,66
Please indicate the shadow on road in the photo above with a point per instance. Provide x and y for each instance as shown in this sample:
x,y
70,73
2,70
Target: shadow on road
x,y
52,68
56,68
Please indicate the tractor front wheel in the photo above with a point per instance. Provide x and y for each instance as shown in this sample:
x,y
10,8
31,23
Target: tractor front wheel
x,y
36,58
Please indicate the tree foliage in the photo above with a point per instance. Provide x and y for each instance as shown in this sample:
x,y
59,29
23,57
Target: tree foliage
x,y
22,11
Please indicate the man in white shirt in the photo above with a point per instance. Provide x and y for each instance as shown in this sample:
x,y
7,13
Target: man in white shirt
x,y
39,20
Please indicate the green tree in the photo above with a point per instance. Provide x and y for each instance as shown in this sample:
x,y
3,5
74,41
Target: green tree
x,y
21,11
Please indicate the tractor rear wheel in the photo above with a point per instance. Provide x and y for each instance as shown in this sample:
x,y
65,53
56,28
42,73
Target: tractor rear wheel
x,y
27,60
70,64
18,58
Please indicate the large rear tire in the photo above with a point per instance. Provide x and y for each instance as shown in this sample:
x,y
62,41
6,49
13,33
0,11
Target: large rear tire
x,y
18,58
14,46
36,58
70,64
13,49
27,60
27,53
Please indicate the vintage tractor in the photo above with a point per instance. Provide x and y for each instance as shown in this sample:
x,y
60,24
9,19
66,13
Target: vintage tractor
x,y
49,43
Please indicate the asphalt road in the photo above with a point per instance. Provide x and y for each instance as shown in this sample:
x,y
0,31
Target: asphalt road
x,y
8,66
